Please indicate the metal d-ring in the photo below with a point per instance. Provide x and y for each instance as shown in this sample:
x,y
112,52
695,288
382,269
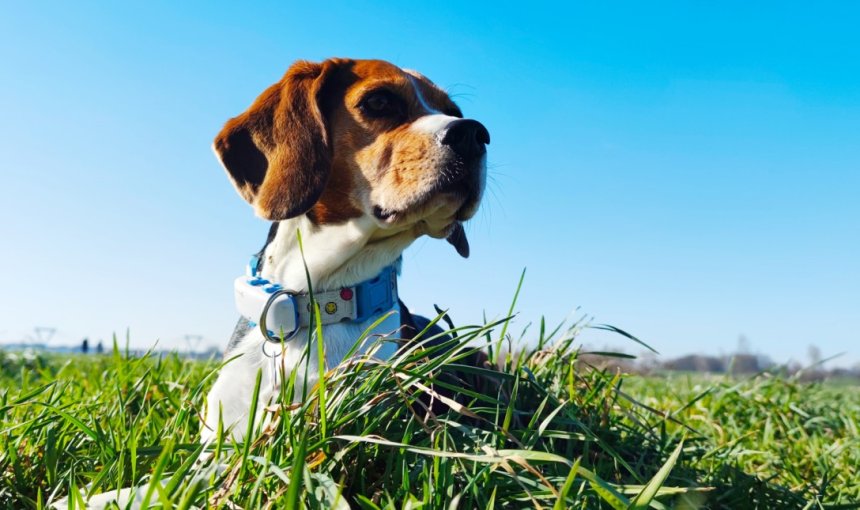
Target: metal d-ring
x,y
263,327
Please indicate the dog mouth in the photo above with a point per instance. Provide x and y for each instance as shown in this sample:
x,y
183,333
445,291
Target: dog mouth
x,y
384,215
453,197
452,202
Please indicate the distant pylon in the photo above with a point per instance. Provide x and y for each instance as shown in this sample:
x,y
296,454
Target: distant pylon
x,y
193,342
44,334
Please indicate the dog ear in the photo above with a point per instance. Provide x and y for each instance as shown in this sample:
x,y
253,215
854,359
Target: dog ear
x,y
277,153
457,238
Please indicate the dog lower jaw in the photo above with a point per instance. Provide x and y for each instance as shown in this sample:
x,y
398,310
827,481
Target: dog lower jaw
x,y
433,216
435,227
436,231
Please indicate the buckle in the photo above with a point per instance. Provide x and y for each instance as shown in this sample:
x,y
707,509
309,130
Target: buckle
x,y
377,294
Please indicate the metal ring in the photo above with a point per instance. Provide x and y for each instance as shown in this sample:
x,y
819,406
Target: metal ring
x,y
265,330
275,356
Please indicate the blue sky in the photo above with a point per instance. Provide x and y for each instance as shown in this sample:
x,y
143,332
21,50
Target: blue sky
x,y
685,171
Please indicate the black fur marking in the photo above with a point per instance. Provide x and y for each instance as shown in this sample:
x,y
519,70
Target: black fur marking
x,y
242,328
243,160
273,230
414,324
458,240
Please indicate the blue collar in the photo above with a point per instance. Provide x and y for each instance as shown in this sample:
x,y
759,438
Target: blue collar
x,y
284,312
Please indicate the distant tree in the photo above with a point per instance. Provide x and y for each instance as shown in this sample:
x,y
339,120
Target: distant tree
x,y
85,346
696,363
744,364
793,367
100,348
814,354
764,362
743,344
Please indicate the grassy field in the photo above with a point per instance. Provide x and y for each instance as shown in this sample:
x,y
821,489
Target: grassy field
x,y
555,434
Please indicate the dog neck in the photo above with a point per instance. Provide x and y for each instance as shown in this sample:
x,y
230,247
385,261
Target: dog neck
x,y
336,256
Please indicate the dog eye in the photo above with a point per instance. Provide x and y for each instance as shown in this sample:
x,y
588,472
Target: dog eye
x,y
381,103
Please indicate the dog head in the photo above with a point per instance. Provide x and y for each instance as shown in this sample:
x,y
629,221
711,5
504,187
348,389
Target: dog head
x,y
345,138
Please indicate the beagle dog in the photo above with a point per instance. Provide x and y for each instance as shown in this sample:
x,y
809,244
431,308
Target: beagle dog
x,y
352,161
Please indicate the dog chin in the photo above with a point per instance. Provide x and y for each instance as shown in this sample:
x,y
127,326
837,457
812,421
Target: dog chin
x,y
435,229
434,214
436,226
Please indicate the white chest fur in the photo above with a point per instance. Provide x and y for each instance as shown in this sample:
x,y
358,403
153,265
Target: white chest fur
x,y
232,393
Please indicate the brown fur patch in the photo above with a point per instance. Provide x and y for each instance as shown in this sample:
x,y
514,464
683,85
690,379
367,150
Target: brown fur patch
x,y
385,159
305,146
287,131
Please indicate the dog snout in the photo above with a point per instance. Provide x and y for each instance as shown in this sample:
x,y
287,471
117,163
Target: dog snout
x,y
468,138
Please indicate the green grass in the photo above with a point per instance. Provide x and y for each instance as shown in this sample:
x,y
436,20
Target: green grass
x,y
555,434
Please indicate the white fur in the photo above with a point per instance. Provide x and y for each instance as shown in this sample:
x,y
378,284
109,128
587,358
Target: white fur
x,y
230,396
420,96
434,124
336,256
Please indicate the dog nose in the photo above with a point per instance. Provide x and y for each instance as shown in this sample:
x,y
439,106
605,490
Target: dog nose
x,y
466,137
